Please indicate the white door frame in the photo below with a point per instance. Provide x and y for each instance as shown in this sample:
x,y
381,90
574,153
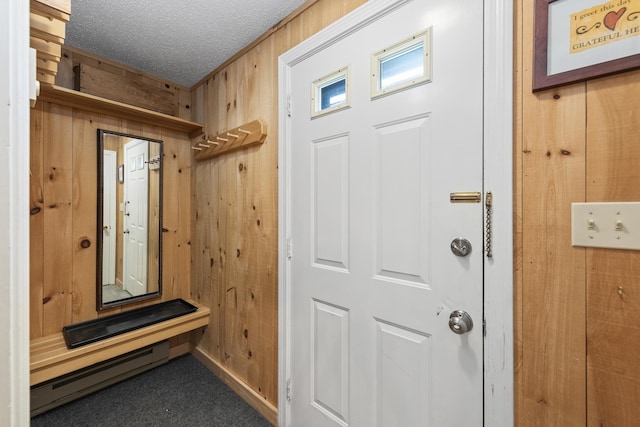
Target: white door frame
x,y
498,176
109,180
14,216
141,203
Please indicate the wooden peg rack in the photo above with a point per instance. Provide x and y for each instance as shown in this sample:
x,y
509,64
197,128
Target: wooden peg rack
x,y
248,134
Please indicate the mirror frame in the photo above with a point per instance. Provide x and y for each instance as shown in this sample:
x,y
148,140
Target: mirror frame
x,y
100,305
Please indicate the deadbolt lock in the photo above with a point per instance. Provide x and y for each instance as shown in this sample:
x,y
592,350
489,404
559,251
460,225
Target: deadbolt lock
x,y
460,247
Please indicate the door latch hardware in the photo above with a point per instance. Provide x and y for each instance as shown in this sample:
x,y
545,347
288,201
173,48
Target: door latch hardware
x,y
465,197
460,322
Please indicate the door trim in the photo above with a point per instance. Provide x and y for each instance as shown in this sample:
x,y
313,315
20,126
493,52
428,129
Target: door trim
x,y
109,203
498,176
14,217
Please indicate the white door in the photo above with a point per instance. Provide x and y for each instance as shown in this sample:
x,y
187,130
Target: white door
x,y
136,196
373,278
109,218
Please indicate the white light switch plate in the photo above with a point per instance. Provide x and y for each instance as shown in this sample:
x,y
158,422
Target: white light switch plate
x,y
606,225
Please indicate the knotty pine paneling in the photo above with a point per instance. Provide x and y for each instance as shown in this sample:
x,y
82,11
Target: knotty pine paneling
x,y
36,222
576,336
235,234
57,213
98,76
613,290
63,214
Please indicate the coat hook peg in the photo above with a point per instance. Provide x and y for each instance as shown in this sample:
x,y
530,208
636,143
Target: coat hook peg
x,y
232,135
222,139
203,145
207,140
244,131
196,148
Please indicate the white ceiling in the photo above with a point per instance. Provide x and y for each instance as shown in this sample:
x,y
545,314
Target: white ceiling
x,y
178,40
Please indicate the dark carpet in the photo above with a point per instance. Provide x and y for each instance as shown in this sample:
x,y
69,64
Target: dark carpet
x,y
182,392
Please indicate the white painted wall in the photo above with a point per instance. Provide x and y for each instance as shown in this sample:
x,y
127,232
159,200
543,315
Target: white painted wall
x,y
14,213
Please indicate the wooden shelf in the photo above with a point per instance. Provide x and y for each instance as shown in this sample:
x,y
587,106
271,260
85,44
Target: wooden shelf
x,y
73,98
51,358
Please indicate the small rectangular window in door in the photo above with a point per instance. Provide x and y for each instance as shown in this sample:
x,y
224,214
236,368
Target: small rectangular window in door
x,y
402,65
330,93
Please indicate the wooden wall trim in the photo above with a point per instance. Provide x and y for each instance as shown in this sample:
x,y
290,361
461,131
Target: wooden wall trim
x,y
266,409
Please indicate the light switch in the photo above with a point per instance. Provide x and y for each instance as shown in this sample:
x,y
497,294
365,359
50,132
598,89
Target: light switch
x,y
606,225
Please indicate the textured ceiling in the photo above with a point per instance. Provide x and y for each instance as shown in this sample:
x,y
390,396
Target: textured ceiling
x,y
179,40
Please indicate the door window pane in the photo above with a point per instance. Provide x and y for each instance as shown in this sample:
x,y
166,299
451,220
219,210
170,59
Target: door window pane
x,y
330,93
402,66
405,64
333,94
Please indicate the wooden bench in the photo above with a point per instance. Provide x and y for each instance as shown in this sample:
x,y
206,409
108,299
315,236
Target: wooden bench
x,y
50,357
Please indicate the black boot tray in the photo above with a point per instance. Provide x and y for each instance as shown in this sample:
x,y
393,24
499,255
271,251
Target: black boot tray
x,y
90,331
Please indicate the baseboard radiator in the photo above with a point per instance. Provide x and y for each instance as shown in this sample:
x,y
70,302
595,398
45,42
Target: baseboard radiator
x,y
77,384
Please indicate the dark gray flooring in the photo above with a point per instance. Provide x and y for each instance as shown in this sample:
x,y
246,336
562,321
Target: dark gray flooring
x,y
183,392
114,293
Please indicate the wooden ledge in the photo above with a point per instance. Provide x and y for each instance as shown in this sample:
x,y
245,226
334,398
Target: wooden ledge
x,y
96,104
51,358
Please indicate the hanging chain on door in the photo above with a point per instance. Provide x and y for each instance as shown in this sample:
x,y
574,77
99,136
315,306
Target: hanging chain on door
x,y
488,205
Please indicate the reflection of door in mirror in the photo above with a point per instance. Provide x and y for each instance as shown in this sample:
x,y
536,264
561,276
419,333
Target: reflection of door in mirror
x,y
130,219
109,219
136,199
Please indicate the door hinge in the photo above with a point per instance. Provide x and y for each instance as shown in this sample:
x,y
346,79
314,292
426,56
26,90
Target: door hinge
x,y
289,248
289,105
484,327
289,390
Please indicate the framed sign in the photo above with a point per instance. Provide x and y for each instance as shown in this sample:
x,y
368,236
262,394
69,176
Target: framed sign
x,y
121,174
577,40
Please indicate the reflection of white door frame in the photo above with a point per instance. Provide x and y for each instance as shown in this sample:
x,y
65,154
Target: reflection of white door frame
x,y
498,270
109,218
136,217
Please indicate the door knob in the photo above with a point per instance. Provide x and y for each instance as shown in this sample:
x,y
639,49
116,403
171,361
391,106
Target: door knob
x,y
460,247
460,322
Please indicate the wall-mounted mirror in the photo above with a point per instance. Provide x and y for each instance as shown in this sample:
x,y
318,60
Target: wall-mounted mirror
x,y
129,255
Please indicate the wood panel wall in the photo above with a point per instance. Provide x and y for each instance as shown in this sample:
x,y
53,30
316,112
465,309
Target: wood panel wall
x,y
64,208
577,338
235,234
88,73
